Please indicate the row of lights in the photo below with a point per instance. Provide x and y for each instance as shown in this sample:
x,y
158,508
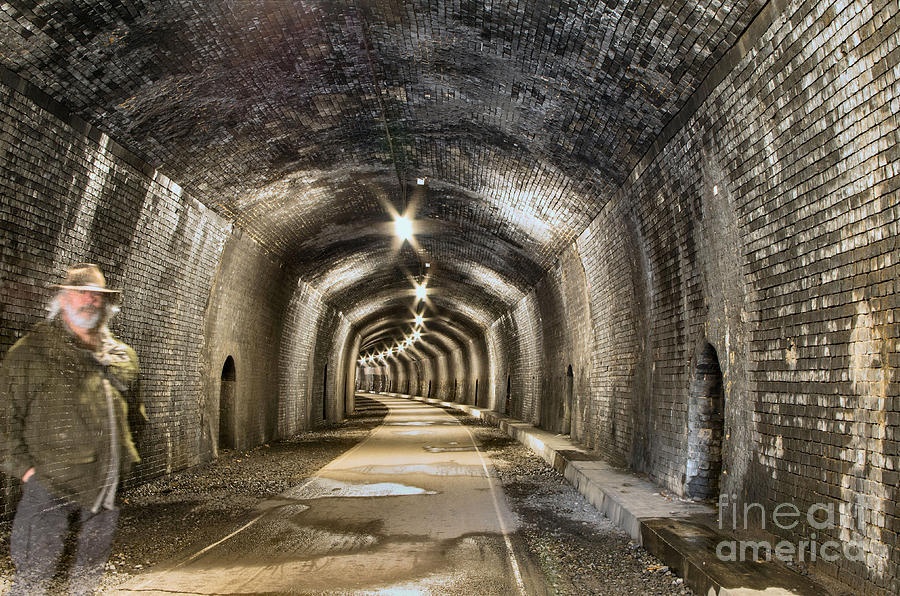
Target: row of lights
x,y
409,340
404,230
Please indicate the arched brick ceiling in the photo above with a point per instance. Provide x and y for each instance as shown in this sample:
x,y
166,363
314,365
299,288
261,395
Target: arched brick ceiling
x,y
306,122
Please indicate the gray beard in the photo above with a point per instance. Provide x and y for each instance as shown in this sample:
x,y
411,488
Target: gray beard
x,y
85,320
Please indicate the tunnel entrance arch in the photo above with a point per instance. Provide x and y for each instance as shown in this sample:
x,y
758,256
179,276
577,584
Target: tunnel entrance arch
x,y
706,422
227,402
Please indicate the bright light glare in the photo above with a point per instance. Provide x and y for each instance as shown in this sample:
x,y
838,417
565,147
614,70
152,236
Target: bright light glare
x,y
420,319
417,335
421,291
403,227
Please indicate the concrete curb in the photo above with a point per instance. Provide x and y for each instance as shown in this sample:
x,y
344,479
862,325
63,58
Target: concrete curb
x,y
682,534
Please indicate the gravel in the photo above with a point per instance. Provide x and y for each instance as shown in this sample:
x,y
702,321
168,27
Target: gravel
x,y
579,550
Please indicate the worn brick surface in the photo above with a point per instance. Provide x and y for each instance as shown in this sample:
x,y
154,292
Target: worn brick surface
x,y
70,194
766,225
609,187
66,197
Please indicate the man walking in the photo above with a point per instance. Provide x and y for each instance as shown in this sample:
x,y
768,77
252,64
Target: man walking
x,y
65,434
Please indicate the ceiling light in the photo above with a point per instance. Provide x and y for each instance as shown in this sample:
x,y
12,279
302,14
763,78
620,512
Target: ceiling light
x,y
420,181
421,291
403,227
420,319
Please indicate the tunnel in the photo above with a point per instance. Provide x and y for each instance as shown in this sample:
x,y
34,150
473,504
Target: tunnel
x,y
667,232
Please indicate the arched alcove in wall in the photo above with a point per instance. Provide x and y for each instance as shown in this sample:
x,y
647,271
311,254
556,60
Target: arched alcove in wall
x,y
706,408
227,403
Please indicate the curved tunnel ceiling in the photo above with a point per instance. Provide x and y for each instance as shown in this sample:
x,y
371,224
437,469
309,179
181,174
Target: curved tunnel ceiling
x,y
309,123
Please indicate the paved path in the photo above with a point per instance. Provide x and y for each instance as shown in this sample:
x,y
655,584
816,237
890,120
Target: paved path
x,y
411,510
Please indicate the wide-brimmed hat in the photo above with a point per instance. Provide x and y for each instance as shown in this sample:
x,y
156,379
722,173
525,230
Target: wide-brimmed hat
x,y
85,277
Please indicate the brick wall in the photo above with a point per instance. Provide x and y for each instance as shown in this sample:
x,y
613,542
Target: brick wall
x,y
196,292
70,194
286,345
453,375
615,271
244,322
498,367
341,364
564,313
764,225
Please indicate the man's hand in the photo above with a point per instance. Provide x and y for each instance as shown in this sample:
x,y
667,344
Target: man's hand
x,y
28,475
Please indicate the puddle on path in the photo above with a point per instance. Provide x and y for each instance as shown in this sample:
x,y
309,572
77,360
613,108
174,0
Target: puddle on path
x,y
320,488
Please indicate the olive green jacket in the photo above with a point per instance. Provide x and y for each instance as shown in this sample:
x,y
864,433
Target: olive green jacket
x,y
53,409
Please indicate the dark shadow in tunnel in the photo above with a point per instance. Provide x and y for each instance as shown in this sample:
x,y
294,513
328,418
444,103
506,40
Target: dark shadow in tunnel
x,y
227,402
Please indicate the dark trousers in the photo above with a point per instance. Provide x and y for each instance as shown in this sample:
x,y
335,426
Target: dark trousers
x,y
38,537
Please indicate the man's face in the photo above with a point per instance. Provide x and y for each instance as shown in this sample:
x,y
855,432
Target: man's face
x,y
83,309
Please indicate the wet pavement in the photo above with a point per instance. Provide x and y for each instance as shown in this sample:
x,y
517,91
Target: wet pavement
x,y
413,509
